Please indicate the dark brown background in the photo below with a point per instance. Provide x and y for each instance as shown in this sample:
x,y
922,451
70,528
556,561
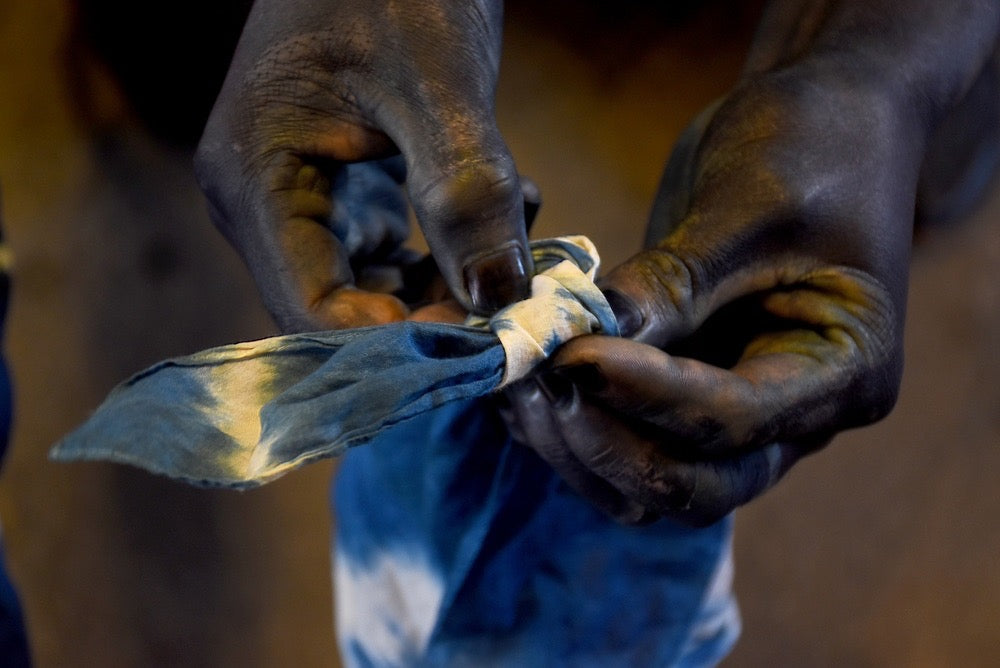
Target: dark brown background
x,y
882,550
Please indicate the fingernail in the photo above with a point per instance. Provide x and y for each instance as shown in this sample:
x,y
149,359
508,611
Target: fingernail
x,y
496,280
629,316
587,377
557,389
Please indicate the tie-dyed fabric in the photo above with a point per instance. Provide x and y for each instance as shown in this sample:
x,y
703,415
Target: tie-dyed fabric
x,y
457,547
244,414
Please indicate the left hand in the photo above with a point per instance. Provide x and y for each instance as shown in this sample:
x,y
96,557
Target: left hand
x,y
768,319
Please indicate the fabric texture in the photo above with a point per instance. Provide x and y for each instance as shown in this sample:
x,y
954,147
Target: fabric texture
x,y
457,547
454,545
244,414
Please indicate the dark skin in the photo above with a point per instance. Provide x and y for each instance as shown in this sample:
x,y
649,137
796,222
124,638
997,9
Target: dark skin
x,y
767,318
317,85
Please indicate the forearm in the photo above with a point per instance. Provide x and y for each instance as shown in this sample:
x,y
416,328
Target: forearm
x,y
925,53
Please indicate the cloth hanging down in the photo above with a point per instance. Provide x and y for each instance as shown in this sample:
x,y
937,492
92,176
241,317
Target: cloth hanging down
x,y
244,414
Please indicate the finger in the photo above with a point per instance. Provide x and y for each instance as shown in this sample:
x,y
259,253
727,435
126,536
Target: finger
x,y
715,257
829,353
694,492
422,280
300,266
449,311
734,229
699,408
505,407
692,404
472,217
466,194
529,411
437,107
311,283
665,295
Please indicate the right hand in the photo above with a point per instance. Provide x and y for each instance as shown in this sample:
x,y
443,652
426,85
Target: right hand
x,y
315,86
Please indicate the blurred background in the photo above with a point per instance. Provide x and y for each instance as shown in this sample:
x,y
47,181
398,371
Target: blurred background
x,y
881,550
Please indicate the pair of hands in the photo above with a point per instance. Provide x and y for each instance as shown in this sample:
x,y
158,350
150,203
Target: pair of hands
x,y
767,318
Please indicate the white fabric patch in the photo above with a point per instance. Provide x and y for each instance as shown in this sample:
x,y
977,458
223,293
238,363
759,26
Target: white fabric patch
x,y
388,608
563,305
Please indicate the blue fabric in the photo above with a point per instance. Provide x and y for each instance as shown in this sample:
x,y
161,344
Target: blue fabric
x,y
455,546
13,636
490,560
314,395
244,414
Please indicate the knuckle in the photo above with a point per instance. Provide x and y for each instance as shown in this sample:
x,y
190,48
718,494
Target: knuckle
x,y
724,430
877,353
471,189
669,489
664,285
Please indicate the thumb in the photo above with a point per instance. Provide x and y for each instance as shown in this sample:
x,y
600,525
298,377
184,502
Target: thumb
x,y
655,295
465,191
655,298
664,295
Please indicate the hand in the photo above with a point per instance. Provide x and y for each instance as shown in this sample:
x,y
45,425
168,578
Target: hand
x,y
770,315
316,87
768,319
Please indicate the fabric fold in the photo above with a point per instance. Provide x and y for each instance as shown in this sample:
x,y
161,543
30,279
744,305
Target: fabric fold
x,y
241,415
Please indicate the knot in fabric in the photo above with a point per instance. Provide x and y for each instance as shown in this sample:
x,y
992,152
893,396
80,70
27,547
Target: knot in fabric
x,y
564,303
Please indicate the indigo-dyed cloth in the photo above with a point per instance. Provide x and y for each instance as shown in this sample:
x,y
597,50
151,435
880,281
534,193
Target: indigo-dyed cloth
x,y
456,547
244,414
13,635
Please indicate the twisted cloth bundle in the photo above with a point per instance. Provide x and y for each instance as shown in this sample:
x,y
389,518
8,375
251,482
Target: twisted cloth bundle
x,y
241,415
